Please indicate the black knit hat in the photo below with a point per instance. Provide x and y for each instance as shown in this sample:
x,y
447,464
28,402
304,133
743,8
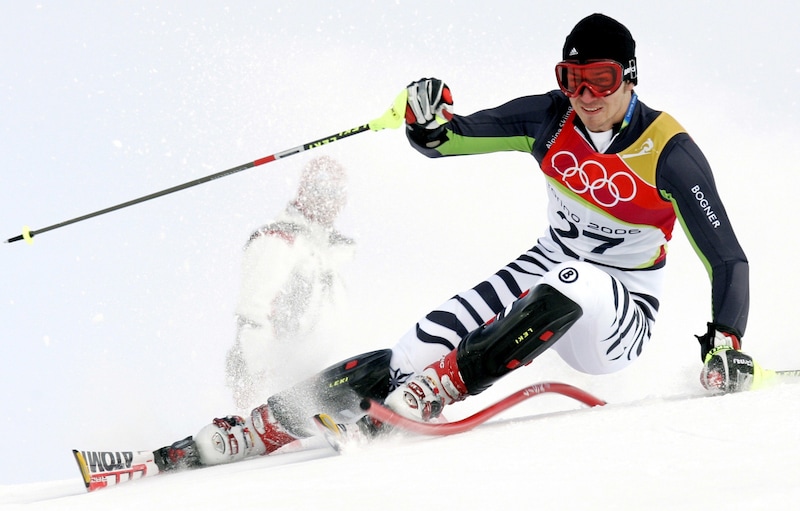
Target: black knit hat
x,y
600,37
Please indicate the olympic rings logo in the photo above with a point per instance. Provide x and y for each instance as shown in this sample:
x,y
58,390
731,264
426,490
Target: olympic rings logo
x,y
606,191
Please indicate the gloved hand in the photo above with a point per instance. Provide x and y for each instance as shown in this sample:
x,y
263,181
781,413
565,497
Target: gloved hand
x,y
725,367
430,103
729,370
717,335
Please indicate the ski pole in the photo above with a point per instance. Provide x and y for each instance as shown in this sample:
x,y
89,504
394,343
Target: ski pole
x,y
391,119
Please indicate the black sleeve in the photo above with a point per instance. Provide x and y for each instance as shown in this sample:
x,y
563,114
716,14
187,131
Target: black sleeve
x,y
513,126
685,177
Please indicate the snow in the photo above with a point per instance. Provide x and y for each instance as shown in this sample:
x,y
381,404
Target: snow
x,y
115,328
656,453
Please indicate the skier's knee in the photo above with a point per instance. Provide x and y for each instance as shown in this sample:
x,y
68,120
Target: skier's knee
x,y
531,325
336,390
580,282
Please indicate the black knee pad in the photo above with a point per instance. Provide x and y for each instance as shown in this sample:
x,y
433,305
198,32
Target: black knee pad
x,y
336,390
534,323
366,374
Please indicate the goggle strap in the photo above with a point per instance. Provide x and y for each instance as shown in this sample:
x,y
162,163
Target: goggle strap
x,y
629,73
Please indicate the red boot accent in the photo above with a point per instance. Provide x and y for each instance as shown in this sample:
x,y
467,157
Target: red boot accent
x,y
451,382
269,431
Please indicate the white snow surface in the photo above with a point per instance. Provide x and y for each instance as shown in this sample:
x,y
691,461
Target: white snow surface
x,y
115,328
654,453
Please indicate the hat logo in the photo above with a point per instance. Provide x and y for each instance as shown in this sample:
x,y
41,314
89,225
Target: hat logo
x,y
573,52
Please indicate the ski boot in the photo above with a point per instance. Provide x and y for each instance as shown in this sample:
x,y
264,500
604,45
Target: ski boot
x,y
512,339
178,456
363,431
424,396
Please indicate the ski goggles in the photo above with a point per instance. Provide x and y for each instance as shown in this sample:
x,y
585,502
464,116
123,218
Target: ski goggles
x,y
602,77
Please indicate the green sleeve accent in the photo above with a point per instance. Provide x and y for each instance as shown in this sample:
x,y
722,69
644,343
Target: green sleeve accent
x,y
459,144
697,251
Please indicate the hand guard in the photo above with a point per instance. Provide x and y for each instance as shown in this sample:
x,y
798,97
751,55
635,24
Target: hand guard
x,y
430,103
729,370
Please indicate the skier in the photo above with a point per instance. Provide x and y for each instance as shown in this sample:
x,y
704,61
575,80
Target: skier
x,y
291,287
618,174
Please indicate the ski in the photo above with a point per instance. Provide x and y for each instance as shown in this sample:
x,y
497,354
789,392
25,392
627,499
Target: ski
x,y
380,413
107,469
101,469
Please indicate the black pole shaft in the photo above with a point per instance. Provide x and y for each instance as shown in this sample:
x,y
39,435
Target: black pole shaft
x,y
206,179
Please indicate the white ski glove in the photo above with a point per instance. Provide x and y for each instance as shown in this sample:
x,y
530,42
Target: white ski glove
x,y
430,103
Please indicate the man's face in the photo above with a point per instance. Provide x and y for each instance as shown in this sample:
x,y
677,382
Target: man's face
x,y
600,113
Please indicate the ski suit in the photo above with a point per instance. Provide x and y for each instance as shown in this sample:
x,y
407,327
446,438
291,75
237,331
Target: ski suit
x,y
611,215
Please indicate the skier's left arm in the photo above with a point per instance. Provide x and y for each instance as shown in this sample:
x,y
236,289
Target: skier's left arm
x,y
435,130
685,178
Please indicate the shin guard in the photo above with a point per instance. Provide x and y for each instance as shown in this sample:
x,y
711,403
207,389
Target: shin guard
x,y
533,324
336,391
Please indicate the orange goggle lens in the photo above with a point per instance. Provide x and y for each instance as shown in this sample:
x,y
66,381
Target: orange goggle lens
x,y
601,78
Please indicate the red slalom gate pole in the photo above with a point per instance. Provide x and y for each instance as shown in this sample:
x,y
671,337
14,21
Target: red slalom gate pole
x,y
383,414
